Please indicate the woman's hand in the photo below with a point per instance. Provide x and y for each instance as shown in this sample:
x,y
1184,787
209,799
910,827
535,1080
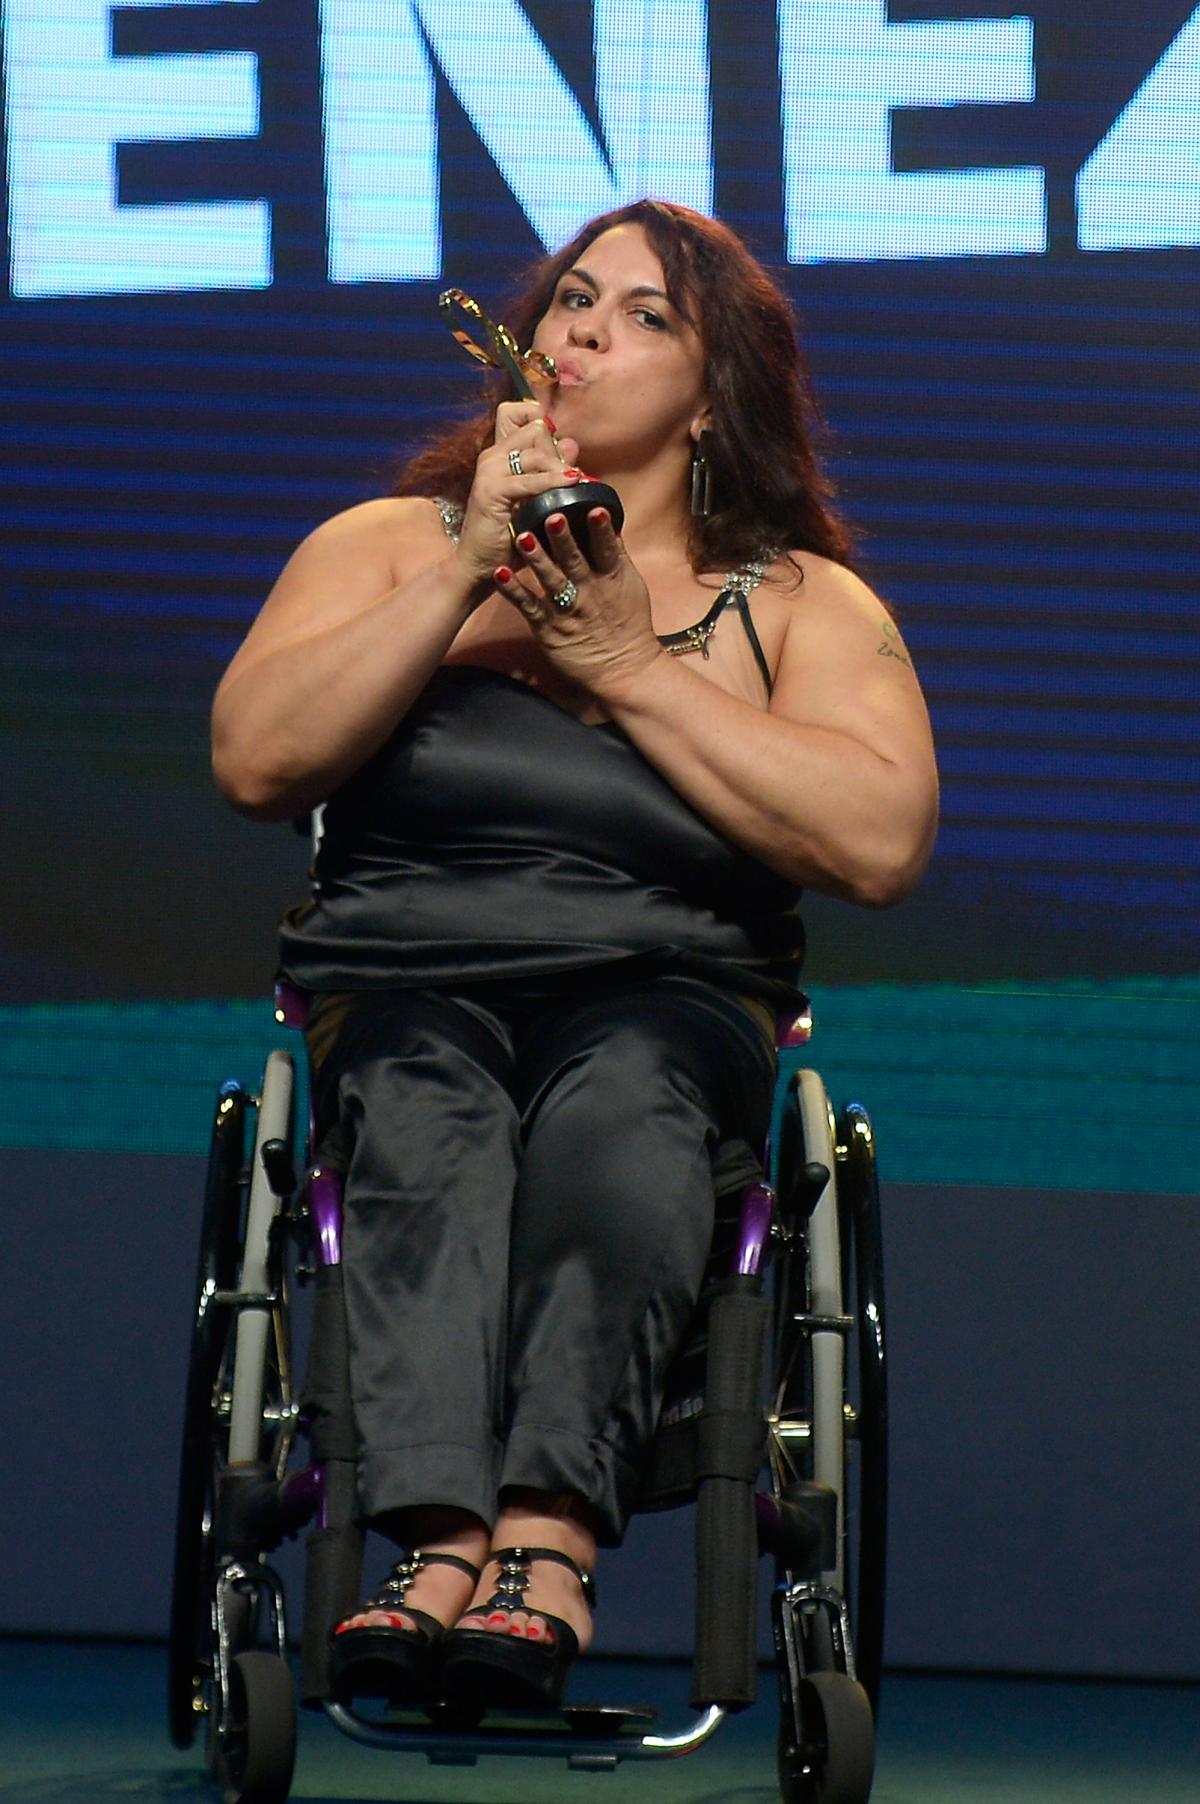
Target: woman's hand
x,y
522,431
604,632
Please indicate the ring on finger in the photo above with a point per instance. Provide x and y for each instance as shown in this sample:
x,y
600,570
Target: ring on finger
x,y
565,598
514,463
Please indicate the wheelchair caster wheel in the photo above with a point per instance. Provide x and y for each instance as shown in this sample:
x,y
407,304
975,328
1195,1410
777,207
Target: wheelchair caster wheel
x,y
257,1738
835,1761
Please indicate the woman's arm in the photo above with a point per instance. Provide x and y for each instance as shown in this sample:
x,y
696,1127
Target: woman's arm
x,y
835,786
361,617
341,649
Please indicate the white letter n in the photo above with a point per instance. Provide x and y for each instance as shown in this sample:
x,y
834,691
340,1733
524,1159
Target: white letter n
x,y
381,148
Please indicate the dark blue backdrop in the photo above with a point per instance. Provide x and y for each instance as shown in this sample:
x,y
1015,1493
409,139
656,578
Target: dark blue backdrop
x,y
1015,433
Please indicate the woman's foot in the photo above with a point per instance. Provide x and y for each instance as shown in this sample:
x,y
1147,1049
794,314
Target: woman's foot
x,y
389,1647
531,1613
553,1589
437,1591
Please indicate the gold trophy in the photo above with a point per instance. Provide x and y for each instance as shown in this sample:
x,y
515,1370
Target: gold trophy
x,y
500,352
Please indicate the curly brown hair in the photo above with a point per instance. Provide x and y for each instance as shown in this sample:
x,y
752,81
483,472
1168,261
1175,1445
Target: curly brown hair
x,y
769,489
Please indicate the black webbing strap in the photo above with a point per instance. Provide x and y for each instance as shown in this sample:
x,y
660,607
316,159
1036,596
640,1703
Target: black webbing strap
x,y
731,1439
334,1551
333,1577
730,1444
326,1395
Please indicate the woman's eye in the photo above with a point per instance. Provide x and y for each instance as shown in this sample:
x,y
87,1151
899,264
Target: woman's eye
x,y
654,320
575,297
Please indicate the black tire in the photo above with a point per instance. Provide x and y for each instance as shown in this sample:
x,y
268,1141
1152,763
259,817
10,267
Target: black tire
x,y
257,1744
241,1612
190,1639
860,1188
834,1762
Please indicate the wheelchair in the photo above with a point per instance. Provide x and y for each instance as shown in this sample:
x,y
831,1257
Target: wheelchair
x,y
775,1422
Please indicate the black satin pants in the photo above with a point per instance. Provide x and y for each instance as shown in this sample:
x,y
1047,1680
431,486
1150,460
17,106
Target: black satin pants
x,y
528,1210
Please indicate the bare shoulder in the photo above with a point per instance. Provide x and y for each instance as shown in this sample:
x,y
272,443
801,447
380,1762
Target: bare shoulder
x,y
811,582
344,566
827,603
391,520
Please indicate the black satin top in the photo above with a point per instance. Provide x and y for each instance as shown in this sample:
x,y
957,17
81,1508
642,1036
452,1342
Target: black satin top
x,y
495,835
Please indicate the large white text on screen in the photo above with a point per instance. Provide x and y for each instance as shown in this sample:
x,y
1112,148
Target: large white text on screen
x,y
844,68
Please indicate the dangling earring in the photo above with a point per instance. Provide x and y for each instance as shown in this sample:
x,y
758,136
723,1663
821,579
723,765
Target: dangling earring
x,y
701,478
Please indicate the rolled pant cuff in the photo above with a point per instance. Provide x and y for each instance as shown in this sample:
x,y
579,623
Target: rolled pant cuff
x,y
541,1457
436,1472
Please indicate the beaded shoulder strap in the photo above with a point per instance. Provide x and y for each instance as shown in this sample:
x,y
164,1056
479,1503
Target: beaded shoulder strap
x,y
452,517
738,586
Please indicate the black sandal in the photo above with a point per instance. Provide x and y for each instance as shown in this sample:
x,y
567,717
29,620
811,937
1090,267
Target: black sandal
x,y
486,1669
390,1661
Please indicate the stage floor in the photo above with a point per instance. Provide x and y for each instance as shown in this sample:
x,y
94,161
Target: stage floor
x,y
84,1724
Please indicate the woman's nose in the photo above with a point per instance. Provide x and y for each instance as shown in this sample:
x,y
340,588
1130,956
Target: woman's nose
x,y
588,330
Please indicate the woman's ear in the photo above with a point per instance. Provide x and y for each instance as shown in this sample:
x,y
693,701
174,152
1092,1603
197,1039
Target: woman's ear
x,y
700,424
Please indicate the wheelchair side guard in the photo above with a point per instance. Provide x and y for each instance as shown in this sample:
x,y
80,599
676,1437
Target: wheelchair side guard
x,y
254,1319
814,1449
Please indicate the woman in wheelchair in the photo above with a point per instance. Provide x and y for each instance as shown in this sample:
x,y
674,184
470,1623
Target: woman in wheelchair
x,y
572,793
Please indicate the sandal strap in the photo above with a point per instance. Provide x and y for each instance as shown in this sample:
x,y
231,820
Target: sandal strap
x,y
514,1566
395,1587
448,1559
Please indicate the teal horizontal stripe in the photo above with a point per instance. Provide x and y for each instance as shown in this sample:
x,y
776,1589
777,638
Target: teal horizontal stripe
x,y
1080,1086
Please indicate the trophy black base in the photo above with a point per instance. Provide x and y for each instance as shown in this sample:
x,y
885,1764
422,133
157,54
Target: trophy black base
x,y
576,503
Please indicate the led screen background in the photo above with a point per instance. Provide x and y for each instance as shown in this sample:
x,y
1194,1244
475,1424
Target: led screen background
x,y
1009,368
990,235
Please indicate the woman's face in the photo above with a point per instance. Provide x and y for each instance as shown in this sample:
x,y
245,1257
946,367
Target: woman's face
x,y
630,367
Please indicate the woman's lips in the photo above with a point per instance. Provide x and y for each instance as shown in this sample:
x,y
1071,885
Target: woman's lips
x,y
569,374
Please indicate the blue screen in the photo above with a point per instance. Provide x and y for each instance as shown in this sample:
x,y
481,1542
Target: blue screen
x,y
227,225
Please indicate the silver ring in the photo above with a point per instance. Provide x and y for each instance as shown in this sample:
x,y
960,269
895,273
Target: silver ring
x,y
565,598
514,463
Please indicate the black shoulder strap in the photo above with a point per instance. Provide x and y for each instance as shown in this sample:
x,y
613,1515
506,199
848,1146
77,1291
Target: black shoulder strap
x,y
741,602
736,594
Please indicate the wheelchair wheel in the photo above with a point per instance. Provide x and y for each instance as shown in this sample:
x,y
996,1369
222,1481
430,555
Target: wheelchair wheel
x,y
834,1760
256,1745
238,1408
191,1592
826,1748
858,1196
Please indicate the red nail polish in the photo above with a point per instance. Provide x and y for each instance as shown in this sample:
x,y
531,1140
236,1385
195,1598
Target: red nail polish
x,y
550,424
526,541
504,574
599,516
557,523
572,475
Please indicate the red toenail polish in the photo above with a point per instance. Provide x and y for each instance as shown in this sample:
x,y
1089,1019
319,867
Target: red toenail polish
x,y
497,1616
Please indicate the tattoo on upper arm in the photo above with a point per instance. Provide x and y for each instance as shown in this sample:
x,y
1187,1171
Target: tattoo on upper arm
x,y
893,645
